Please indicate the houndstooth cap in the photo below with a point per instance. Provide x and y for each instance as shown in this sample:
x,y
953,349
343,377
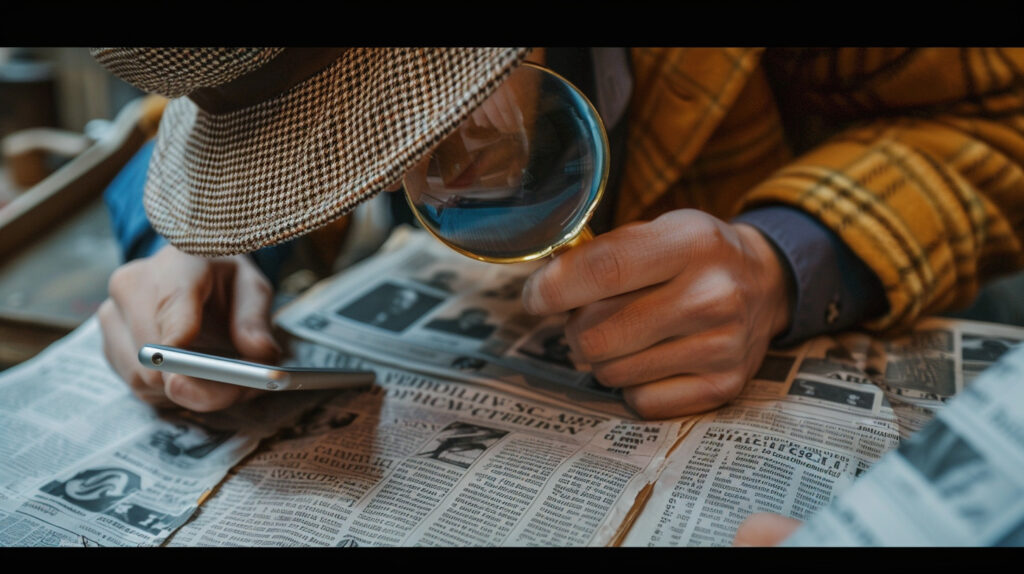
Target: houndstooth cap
x,y
261,145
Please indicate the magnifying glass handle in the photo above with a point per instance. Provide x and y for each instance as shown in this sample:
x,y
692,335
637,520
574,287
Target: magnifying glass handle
x,y
584,236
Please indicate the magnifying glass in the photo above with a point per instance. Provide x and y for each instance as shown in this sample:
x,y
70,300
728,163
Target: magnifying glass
x,y
519,179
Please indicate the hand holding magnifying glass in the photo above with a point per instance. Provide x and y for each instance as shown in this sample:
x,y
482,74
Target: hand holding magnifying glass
x,y
678,311
519,179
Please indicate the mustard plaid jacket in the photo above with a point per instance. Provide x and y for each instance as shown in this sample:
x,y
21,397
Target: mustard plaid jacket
x,y
913,156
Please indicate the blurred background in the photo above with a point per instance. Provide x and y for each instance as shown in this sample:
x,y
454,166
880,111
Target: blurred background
x,y
62,88
66,127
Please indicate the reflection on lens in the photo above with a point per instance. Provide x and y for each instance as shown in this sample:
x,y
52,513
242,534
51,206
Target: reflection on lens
x,y
520,176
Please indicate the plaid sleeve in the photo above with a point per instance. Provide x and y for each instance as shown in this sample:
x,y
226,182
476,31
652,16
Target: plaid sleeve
x,y
929,193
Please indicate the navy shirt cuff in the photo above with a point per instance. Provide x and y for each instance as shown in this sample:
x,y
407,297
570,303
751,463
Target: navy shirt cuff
x,y
832,289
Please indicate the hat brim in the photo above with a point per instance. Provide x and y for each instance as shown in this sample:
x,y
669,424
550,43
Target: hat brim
x,y
223,184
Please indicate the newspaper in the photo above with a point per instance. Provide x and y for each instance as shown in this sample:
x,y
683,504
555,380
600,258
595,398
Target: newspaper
x,y
809,425
85,463
415,460
419,305
781,456
959,482
429,462
482,430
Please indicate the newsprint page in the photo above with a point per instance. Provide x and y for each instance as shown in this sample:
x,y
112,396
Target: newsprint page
x,y
482,429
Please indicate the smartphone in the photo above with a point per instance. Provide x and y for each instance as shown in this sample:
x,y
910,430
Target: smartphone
x,y
247,374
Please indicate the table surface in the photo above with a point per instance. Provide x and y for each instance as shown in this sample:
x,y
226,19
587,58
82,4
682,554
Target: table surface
x,y
56,283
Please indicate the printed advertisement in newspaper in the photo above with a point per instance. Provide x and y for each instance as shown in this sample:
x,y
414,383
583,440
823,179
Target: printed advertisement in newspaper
x,y
86,463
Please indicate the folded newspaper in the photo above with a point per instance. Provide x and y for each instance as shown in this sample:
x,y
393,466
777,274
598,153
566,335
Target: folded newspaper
x,y
482,430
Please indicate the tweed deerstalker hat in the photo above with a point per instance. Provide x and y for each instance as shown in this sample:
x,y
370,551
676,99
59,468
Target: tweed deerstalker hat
x,y
260,145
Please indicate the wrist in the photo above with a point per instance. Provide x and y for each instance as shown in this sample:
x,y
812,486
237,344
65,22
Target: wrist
x,y
771,277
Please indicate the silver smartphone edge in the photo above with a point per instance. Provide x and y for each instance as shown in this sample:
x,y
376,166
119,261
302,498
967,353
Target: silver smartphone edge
x,y
246,374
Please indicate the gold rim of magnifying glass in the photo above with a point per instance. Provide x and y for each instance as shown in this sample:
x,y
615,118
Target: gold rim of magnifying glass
x,y
576,234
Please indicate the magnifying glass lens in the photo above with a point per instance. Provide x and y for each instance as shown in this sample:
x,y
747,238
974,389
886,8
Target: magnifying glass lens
x,y
519,177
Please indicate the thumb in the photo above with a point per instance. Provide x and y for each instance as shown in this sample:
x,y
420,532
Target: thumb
x,y
250,316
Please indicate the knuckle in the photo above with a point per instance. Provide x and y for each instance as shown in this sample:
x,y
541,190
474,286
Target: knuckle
x,y
122,280
732,343
725,387
735,298
605,266
679,218
541,291
106,314
645,402
612,374
164,311
178,314
593,344
639,368
693,220
728,302
713,233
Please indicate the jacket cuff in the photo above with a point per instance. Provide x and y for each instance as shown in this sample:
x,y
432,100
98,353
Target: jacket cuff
x,y
833,289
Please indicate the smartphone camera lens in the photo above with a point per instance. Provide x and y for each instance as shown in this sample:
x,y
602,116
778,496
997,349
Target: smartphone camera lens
x,y
157,358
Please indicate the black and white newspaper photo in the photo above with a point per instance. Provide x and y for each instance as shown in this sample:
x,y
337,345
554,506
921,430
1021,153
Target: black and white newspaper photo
x,y
423,307
87,464
957,482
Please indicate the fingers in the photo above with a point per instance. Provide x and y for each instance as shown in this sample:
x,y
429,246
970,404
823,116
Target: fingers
x,y
685,376
126,288
710,352
625,324
764,529
179,305
685,394
624,260
164,299
160,306
201,395
120,351
236,284
678,311
250,316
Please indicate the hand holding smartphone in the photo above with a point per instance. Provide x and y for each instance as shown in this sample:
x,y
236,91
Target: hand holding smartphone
x,y
248,374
